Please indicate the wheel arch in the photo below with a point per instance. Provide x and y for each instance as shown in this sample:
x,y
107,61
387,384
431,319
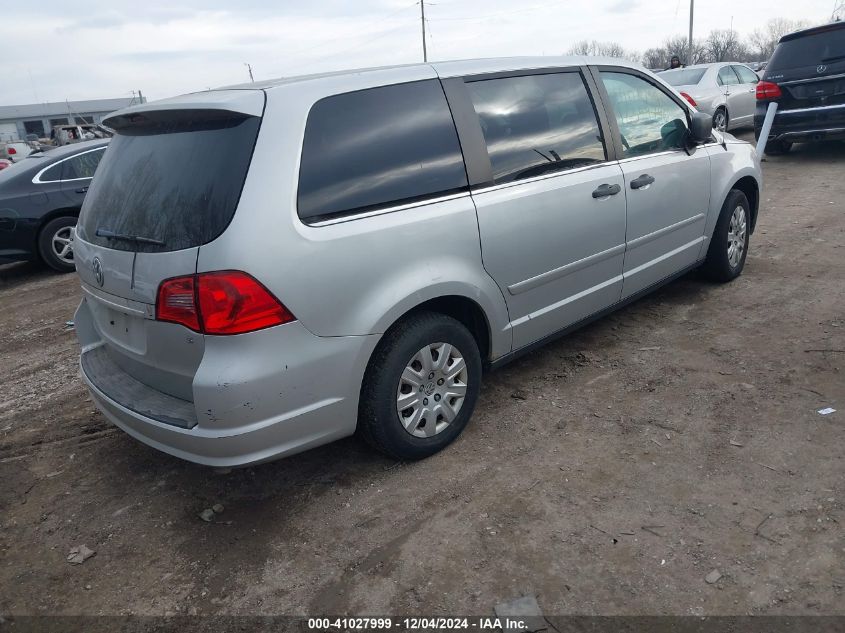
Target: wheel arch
x,y
460,307
748,185
71,212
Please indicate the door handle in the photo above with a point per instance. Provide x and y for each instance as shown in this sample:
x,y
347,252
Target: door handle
x,y
643,181
606,190
83,190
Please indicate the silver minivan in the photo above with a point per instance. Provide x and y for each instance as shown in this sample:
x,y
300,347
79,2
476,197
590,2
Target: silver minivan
x,y
270,267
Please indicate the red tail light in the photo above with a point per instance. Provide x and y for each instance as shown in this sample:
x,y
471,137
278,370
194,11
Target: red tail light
x,y
176,302
690,99
227,302
11,150
768,90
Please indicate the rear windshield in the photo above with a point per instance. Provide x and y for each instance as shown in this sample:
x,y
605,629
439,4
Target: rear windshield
x,y
809,50
685,77
166,186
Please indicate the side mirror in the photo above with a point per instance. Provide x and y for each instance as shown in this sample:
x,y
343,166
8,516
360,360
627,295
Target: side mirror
x,y
701,127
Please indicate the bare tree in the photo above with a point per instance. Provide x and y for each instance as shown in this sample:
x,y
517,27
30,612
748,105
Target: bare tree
x,y
601,49
763,41
660,56
724,45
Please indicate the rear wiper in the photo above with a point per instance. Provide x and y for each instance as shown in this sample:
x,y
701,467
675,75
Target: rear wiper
x,y
101,232
833,59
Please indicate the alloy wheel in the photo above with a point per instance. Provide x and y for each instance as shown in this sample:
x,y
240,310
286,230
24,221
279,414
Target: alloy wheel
x,y
62,244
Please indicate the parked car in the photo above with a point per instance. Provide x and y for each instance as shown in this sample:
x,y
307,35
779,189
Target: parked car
x,y
15,150
40,198
370,240
806,77
724,90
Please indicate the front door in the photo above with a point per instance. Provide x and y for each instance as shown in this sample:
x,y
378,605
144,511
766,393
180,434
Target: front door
x,y
667,188
552,221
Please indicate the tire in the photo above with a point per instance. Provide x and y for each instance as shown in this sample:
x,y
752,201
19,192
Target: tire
x,y
398,358
724,263
51,242
724,113
777,148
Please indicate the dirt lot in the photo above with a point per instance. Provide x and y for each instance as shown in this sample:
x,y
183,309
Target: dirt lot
x,y
608,473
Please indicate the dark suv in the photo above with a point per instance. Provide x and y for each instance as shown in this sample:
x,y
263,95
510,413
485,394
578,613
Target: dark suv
x,y
806,76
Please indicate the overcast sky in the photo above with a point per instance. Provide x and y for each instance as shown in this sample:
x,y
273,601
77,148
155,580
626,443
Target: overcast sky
x,y
86,49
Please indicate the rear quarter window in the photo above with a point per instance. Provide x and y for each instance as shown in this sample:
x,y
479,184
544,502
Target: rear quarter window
x,y
378,147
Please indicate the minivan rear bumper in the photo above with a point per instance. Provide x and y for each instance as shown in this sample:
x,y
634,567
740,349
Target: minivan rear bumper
x,y
257,396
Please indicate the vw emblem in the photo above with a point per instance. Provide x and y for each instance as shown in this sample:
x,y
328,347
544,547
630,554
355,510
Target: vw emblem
x,y
821,68
98,271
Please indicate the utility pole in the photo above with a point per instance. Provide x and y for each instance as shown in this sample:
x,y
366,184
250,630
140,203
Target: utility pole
x,y
691,13
249,68
422,20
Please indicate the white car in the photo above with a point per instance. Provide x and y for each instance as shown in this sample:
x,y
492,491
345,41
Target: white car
x,y
15,150
725,91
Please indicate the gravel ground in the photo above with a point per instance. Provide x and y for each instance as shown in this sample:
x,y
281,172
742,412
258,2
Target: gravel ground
x,y
610,472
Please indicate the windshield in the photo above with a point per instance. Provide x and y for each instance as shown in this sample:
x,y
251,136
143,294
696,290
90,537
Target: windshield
x,y
683,77
175,183
809,50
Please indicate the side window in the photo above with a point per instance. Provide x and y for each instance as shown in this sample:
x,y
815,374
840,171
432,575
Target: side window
x,y
82,166
54,174
727,77
378,147
746,75
649,120
536,124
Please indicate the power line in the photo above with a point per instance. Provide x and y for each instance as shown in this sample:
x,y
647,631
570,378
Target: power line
x,y
494,15
301,51
371,38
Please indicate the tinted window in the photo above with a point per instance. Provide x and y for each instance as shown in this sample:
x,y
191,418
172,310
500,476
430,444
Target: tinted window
x,y
727,77
746,75
177,182
82,166
809,50
685,77
649,120
378,147
537,124
53,174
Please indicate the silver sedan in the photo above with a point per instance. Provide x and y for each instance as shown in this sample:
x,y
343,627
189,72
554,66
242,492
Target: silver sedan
x,y
726,91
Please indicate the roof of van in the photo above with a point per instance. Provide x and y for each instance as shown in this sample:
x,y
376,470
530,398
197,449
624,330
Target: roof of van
x,y
245,97
444,69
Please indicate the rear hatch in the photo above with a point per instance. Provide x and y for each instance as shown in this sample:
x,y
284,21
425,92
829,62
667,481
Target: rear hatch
x,y
169,182
809,67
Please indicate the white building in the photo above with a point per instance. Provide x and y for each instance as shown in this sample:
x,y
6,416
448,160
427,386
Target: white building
x,y
16,121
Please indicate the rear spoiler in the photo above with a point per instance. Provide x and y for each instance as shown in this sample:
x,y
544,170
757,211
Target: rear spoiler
x,y
213,103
